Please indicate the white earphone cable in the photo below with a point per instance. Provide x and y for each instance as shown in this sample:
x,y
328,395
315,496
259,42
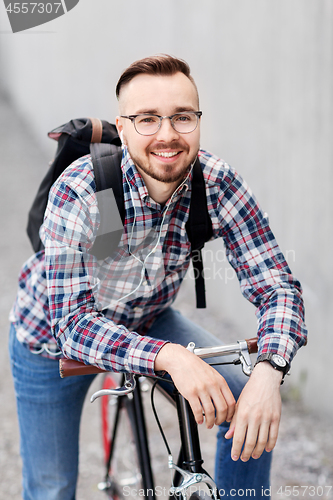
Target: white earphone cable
x,y
159,235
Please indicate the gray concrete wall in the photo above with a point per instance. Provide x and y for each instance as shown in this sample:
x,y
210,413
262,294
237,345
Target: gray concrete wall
x,y
264,72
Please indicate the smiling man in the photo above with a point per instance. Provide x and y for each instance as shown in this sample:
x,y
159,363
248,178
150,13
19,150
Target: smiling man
x,y
58,309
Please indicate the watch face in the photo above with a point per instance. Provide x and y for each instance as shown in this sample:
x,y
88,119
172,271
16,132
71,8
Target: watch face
x,y
279,360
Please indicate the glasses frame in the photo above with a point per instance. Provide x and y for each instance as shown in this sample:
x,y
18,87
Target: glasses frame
x,y
198,114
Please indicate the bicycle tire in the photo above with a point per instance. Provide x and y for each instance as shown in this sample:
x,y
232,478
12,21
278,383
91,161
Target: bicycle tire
x,y
125,472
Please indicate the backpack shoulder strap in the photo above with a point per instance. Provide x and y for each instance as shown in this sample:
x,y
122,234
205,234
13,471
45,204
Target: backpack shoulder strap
x,y
199,230
106,159
199,225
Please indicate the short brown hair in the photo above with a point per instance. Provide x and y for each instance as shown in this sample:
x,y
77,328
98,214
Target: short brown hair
x,y
162,64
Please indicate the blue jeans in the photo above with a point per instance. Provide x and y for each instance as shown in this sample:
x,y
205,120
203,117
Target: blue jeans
x,y
49,411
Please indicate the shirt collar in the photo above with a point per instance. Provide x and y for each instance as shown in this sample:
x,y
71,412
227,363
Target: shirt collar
x,y
132,175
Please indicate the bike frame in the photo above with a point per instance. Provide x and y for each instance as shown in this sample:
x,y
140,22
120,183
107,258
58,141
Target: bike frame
x,y
188,470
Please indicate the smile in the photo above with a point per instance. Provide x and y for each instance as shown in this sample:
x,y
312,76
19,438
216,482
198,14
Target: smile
x,y
167,155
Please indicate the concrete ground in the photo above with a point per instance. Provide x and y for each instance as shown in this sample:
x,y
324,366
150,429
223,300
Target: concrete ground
x,y
303,459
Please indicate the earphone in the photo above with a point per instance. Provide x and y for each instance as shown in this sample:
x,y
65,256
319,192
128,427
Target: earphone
x,y
129,244
143,262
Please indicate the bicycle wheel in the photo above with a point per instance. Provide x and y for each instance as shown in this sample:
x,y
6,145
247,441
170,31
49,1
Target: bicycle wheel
x,y
119,436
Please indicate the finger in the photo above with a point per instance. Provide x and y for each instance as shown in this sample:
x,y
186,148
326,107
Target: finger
x,y
197,410
231,404
230,432
224,403
273,435
210,411
238,440
261,441
250,441
221,412
228,399
218,403
220,407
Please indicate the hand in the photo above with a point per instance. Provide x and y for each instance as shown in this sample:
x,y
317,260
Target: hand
x,y
257,416
203,387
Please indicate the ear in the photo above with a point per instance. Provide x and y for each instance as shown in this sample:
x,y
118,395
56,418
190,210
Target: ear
x,y
120,129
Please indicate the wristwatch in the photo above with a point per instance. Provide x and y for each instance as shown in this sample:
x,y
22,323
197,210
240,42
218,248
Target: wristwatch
x,y
277,361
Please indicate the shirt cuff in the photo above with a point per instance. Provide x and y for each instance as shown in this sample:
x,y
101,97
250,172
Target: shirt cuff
x,y
283,345
140,357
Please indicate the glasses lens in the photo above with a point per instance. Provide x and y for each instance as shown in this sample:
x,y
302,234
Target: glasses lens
x,y
185,123
147,124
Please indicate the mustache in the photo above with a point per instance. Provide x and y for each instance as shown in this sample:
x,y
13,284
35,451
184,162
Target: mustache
x,y
163,145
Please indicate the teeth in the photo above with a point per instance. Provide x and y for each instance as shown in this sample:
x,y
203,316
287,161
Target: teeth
x,y
167,155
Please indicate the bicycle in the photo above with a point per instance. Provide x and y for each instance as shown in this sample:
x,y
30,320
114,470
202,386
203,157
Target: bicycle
x,y
128,466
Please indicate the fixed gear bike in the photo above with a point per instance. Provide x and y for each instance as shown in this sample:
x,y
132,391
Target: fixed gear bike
x,y
125,441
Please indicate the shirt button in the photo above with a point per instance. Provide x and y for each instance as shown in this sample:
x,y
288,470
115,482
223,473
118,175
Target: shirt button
x,y
137,309
145,283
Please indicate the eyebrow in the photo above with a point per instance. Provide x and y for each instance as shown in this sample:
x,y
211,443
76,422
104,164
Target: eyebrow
x,y
179,109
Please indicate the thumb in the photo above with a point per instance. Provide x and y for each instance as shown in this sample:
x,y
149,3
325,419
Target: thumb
x,y
230,432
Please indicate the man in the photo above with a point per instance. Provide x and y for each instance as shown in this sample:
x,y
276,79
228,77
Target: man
x,y
117,314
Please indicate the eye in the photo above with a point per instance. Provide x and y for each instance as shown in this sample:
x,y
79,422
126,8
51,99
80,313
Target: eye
x,y
183,118
146,119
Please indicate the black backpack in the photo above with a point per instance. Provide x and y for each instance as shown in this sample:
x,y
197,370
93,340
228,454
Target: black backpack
x,y
100,138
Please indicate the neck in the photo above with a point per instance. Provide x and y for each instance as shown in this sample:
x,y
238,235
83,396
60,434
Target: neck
x,y
159,191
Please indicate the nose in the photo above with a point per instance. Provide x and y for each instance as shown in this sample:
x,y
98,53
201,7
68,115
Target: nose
x,y
166,132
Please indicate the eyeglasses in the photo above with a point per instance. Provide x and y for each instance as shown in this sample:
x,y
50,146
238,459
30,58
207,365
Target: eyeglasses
x,y
146,124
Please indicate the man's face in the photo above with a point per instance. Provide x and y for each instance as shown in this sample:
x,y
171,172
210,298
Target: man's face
x,y
166,155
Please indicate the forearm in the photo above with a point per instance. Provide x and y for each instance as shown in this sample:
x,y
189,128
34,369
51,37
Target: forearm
x,y
264,275
281,327
94,339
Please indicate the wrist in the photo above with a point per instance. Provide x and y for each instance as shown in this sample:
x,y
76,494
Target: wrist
x,y
265,369
166,356
276,361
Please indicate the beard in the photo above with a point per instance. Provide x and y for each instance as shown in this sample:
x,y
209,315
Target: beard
x,y
164,173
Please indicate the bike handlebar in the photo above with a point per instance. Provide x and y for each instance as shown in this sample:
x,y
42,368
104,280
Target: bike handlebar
x,y
252,345
70,367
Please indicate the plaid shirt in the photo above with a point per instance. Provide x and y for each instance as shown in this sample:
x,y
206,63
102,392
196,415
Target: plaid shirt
x,y
64,293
